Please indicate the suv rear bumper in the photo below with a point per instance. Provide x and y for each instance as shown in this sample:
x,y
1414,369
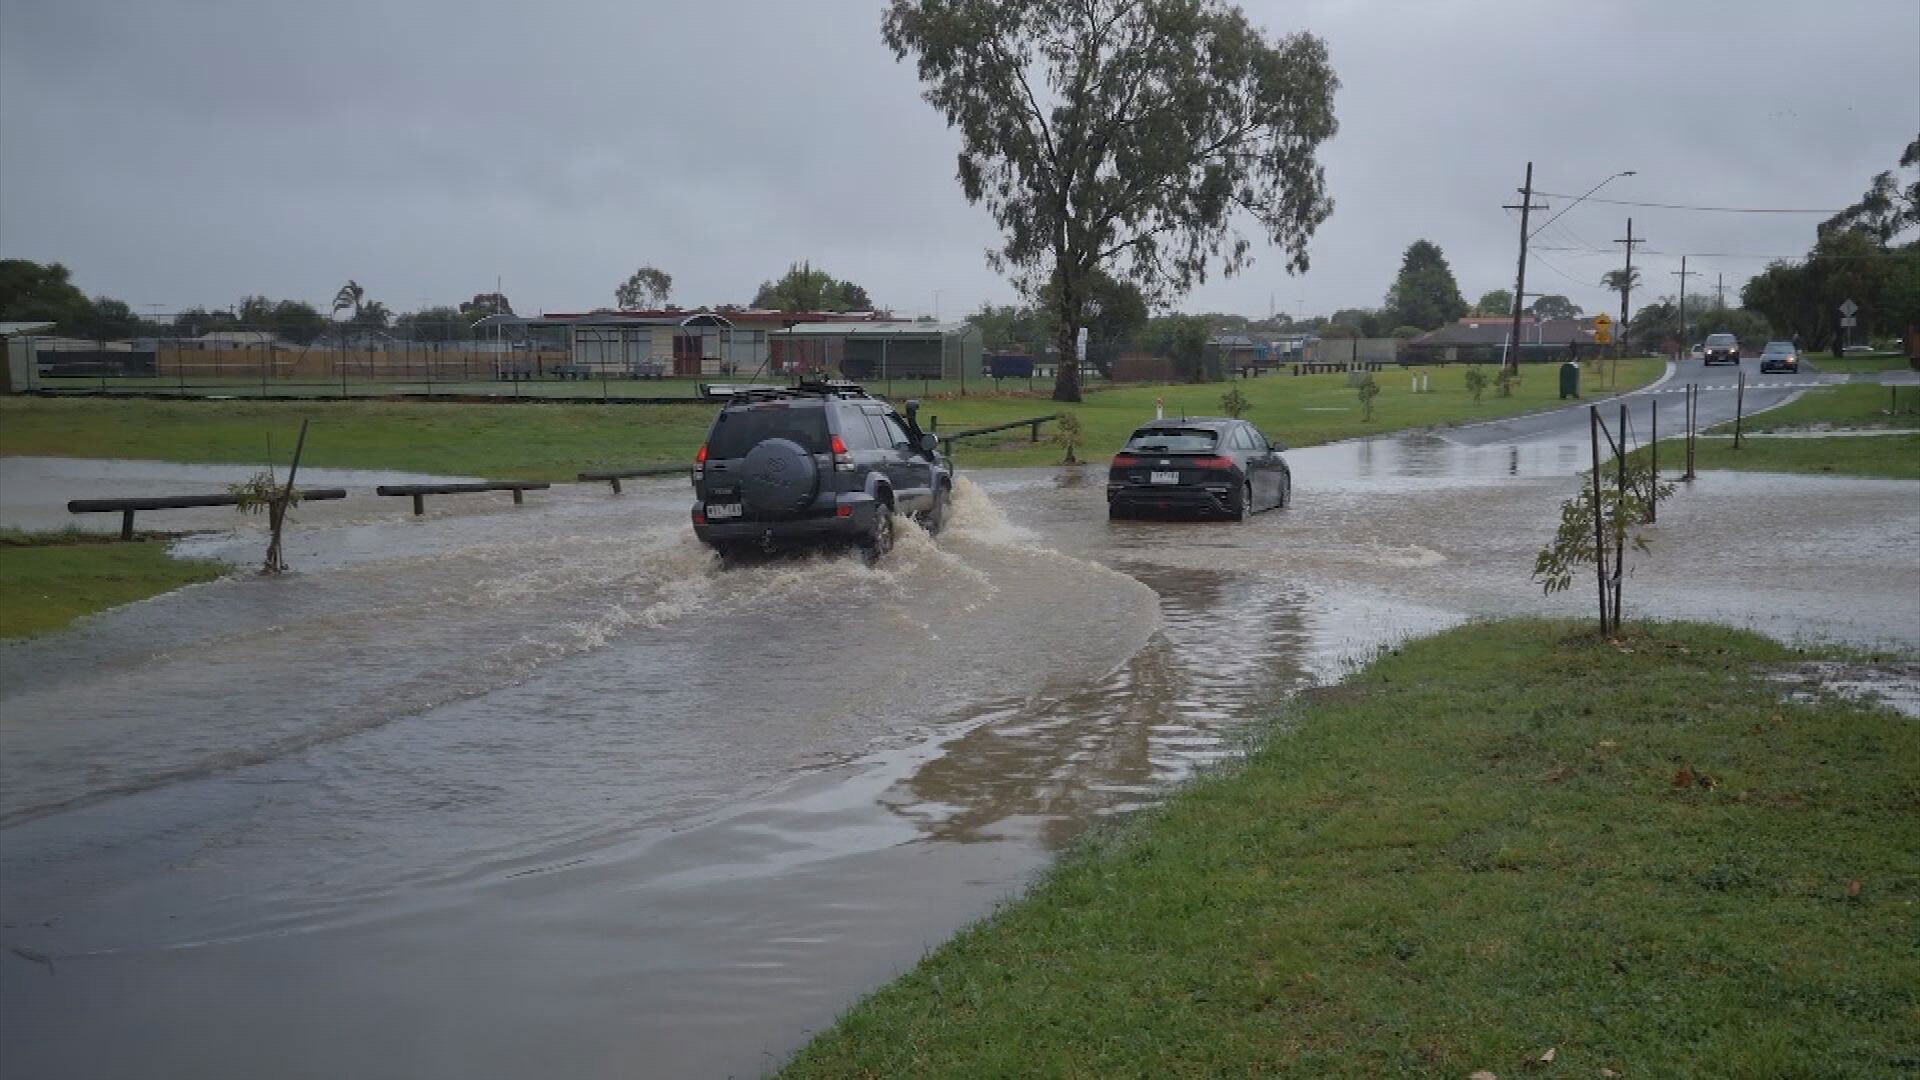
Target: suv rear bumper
x,y
1722,358
816,528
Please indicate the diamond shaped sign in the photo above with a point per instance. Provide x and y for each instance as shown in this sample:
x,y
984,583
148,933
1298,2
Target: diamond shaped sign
x,y
1848,308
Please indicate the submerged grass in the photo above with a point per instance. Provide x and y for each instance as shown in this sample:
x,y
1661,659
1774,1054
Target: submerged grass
x,y
47,580
1507,838
553,441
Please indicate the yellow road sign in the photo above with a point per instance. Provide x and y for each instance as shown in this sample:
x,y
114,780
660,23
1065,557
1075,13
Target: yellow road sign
x,y
1602,329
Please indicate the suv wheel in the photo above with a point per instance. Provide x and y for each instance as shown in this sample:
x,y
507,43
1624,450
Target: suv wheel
x,y
879,541
936,519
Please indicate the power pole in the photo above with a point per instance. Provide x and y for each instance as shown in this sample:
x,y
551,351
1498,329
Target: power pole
x,y
1626,284
1520,279
1720,292
1683,274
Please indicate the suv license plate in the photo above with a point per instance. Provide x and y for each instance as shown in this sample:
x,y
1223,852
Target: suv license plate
x,y
722,510
1163,478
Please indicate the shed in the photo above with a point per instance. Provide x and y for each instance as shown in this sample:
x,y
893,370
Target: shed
x,y
16,341
879,351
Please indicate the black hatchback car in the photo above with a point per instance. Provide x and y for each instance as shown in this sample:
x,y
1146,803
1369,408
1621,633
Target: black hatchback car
x,y
815,463
1198,465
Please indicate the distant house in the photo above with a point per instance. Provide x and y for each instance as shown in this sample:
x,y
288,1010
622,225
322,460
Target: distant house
x,y
1485,338
238,339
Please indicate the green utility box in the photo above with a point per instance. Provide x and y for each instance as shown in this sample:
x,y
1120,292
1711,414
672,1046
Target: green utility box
x,y
1569,380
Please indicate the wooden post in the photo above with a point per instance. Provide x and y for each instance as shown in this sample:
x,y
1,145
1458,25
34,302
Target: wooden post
x,y
1620,523
1739,407
519,497
1599,518
126,524
419,505
1653,449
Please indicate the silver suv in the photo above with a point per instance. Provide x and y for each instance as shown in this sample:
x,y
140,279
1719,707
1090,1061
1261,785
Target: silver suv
x,y
821,462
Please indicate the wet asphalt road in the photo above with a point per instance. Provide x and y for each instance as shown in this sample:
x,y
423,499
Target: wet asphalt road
x,y
499,792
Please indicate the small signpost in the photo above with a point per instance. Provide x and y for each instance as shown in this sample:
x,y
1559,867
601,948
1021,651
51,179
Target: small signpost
x,y
1847,310
1602,329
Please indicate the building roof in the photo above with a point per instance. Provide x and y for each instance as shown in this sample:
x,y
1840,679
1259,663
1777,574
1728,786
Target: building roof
x,y
15,329
1233,341
1494,330
877,329
250,337
737,317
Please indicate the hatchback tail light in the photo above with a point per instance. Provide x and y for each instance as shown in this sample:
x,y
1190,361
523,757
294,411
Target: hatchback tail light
x,y
1125,461
1215,462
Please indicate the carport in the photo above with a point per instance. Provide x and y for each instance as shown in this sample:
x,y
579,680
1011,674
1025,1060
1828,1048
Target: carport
x,y
883,352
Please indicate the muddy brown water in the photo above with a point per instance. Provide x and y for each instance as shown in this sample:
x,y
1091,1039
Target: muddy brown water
x,y
544,790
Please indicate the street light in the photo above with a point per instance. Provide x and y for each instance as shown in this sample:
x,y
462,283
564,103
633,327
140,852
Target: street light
x,y
1579,200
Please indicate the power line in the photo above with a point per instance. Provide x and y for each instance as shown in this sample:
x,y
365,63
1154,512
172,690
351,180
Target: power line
x,y
1679,206
1737,255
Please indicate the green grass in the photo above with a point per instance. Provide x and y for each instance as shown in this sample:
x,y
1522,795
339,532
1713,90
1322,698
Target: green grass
x,y
554,441
1896,456
1857,362
509,442
47,580
1479,848
1857,405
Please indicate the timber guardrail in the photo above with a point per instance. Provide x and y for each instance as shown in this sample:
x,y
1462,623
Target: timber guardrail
x,y
126,508
419,492
1032,423
614,476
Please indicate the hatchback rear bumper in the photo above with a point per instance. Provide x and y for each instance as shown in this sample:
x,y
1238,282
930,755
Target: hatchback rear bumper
x,y
1169,500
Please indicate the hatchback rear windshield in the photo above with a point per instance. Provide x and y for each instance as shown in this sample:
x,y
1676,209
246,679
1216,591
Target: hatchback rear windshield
x,y
1172,440
739,430
1719,339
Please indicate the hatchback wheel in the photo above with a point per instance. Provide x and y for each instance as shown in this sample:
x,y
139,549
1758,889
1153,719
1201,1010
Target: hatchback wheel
x,y
1244,510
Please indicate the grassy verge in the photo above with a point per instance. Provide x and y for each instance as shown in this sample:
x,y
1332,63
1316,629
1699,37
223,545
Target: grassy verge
x,y
1846,406
553,441
47,580
1896,456
1857,362
1504,839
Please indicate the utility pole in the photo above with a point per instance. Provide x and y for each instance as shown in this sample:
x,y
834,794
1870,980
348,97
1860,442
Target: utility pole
x,y
1626,284
1720,292
1520,279
1683,274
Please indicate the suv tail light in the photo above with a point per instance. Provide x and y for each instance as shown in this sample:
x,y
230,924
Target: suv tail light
x,y
839,445
841,462
701,457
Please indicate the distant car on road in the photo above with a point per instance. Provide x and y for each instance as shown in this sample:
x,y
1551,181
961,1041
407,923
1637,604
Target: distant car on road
x,y
817,463
1779,356
1698,352
1721,349
1204,465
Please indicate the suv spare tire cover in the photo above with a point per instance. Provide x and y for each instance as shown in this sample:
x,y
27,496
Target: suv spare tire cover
x,y
779,478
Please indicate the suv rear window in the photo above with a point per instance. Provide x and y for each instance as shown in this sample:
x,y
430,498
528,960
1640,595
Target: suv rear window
x,y
740,430
1173,440
1720,339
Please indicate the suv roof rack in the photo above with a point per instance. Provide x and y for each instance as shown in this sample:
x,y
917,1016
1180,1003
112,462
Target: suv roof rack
x,y
803,388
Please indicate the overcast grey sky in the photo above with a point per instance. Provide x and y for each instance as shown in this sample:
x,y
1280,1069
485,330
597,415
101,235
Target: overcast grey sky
x,y
175,153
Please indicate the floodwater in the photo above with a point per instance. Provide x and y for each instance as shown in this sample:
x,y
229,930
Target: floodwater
x,y
502,791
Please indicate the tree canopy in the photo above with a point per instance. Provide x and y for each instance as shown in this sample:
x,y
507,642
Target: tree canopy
x,y
648,287
1857,255
1494,302
1554,306
485,304
802,288
1125,135
35,292
1424,294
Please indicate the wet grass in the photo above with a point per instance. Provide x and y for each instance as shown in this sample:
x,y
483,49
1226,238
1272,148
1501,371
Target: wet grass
x,y
1857,362
1895,456
554,441
508,442
47,580
1507,839
1845,406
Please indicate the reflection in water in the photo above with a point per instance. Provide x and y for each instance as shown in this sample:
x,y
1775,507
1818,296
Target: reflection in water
x,y
1513,461
1228,647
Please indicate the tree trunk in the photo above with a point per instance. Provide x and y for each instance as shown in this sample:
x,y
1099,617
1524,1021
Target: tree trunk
x,y
1066,376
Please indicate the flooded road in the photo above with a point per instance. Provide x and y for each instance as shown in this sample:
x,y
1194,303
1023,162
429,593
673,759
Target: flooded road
x,y
498,792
